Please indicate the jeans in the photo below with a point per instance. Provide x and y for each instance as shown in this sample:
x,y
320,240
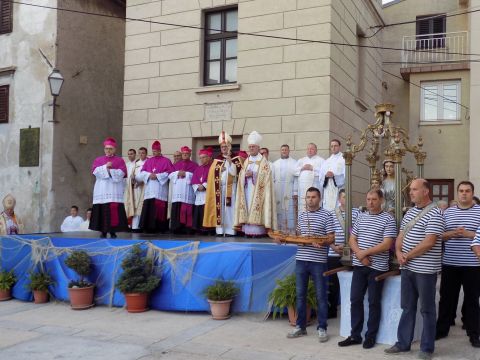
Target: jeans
x,y
454,277
333,286
303,271
414,287
363,278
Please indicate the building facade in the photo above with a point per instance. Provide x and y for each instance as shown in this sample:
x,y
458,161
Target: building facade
x,y
46,164
280,74
435,85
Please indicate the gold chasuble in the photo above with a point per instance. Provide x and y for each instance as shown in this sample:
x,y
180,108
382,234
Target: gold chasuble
x,y
212,216
262,210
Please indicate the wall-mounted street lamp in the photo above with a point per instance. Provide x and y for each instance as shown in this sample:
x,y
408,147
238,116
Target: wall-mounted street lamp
x,y
55,79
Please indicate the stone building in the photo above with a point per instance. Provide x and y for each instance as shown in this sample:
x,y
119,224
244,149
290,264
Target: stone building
x,y
48,168
436,88
184,85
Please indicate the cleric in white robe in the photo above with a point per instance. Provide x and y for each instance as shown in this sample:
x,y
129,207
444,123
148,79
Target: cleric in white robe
x,y
222,188
255,206
284,183
154,175
332,176
108,212
135,190
183,196
307,172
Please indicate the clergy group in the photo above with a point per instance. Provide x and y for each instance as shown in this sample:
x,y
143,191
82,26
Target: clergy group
x,y
234,192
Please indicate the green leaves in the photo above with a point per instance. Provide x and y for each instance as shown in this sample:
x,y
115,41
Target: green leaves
x,y
7,279
221,290
40,281
137,274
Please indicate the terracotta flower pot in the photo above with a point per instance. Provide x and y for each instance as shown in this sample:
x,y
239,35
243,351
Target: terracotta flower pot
x,y
292,315
40,296
81,298
5,294
220,309
136,302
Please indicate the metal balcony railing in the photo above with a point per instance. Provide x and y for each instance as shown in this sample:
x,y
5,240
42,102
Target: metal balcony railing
x,y
432,49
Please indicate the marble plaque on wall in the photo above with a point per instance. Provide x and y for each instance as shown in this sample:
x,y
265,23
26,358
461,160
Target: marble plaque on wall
x,y
29,147
218,111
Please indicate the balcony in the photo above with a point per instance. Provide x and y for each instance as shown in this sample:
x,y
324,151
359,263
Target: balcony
x,y
435,52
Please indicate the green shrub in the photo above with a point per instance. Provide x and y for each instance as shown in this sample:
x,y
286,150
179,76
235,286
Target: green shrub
x,y
40,281
80,262
7,279
221,290
137,274
285,295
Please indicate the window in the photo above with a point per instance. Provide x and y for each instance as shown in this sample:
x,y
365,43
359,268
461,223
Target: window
x,y
440,101
6,8
441,190
431,31
4,103
221,47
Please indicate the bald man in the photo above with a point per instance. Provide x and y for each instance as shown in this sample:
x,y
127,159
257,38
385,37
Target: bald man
x,y
419,252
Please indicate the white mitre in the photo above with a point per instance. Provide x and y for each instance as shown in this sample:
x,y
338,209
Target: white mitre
x,y
224,138
254,138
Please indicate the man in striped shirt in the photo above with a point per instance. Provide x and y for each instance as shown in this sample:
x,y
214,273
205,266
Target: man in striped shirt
x,y
460,265
419,252
311,260
371,238
335,252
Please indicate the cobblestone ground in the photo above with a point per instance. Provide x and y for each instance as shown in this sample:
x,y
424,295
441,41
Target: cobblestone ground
x,y
54,331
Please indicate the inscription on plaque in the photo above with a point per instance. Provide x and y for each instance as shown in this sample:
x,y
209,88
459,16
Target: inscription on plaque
x,y
218,111
29,147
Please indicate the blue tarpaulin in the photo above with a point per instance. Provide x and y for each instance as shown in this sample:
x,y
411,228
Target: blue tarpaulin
x,y
186,268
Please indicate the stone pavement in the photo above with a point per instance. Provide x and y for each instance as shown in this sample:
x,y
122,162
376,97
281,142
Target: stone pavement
x,y
54,331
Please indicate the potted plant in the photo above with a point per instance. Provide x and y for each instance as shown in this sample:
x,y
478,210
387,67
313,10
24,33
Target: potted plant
x,y
39,283
7,280
285,296
137,280
80,291
220,296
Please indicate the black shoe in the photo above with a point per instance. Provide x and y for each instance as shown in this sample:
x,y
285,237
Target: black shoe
x,y
475,341
369,343
113,235
394,350
439,336
103,235
349,341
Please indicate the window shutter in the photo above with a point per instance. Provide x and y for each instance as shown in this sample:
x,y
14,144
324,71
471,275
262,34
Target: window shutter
x,y
6,8
439,25
4,104
423,27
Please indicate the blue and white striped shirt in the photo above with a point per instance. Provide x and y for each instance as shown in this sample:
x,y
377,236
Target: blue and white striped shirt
x,y
339,235
318,222
371,230
432,223
458,251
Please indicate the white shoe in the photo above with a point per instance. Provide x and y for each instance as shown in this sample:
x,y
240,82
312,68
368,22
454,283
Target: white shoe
x,y
297,332
322,335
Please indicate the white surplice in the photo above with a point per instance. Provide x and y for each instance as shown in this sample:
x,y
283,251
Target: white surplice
x,y
285,185
156,188
335,164
71,224
182,190
307,178
228,212
108,187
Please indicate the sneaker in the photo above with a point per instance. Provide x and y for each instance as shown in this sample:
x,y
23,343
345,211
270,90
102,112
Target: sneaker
x,y
349,341
369,343
425,355
297,332
322,335
394,350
